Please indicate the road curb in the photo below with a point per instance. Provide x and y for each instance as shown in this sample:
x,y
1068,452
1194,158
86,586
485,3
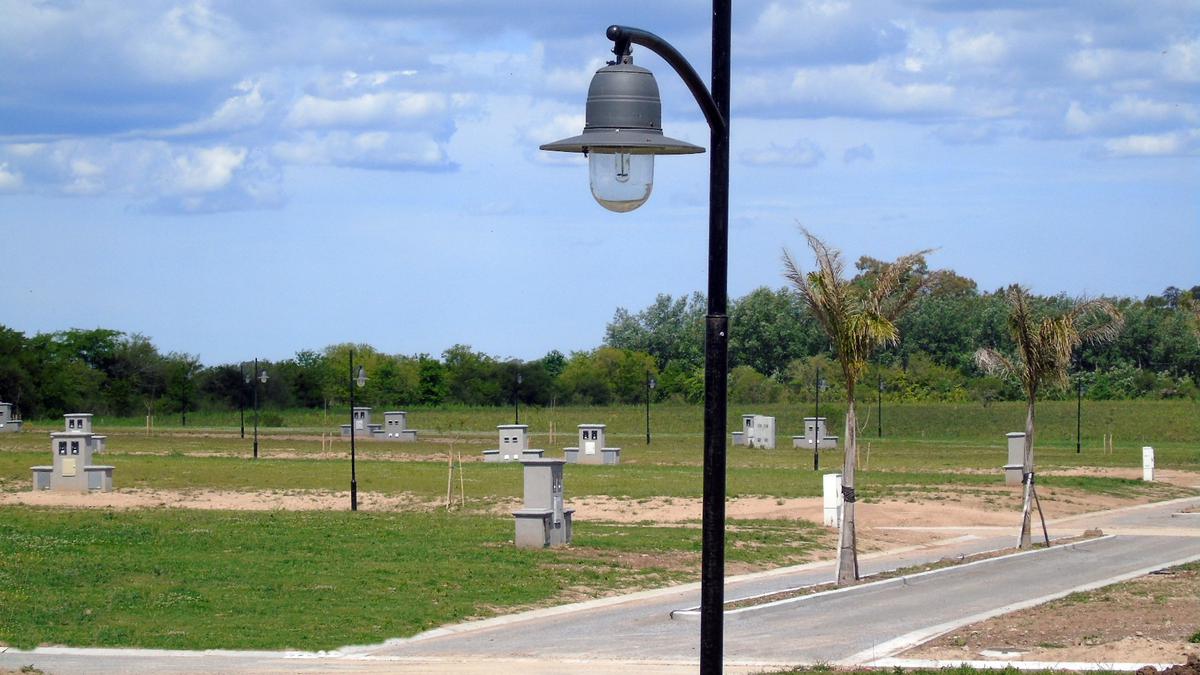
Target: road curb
x,y
917,637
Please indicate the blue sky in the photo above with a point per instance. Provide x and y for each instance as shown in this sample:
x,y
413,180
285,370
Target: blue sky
x,y
240,179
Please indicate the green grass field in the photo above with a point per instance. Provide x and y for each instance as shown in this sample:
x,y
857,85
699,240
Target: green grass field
x,y
1131,422
317,580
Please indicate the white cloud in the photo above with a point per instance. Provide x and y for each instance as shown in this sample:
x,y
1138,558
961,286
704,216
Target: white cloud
x,y
206,169
237,112
803,153
10,181
1181,61
189,42
1127,114
984,49
1153,145
370,150
367,110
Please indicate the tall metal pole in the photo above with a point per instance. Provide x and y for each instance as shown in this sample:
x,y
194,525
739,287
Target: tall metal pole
x,y
242,398
716,357
255,408
1078,415
715,105
647,407
817,421
353,421
517,401
880,405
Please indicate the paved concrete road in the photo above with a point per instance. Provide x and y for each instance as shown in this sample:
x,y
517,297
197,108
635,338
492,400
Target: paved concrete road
x,y
636,633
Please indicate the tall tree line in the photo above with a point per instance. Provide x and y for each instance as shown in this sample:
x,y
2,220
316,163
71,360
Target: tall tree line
x,y
775,350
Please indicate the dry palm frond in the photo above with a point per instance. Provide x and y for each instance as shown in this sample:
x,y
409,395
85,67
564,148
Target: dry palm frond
x,y
856,318
994,363
1044,346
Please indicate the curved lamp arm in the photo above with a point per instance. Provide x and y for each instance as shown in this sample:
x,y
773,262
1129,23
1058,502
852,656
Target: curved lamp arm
x,y
623,36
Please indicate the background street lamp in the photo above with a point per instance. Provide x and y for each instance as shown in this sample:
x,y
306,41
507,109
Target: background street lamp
x,y
622,131
1078,414
356,381
819,385
881,405
245,379
262,377
517,398
651,383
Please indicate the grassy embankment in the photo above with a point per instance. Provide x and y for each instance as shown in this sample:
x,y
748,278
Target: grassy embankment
x,y
196,579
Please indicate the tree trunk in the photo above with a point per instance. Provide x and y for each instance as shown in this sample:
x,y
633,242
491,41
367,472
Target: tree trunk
x,y
847,568
1027,479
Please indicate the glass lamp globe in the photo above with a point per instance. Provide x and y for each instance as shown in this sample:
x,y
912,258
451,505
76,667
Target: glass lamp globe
x,y
620,181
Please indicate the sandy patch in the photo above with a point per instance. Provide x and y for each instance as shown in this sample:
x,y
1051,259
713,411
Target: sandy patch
x,y
267,500
1147,620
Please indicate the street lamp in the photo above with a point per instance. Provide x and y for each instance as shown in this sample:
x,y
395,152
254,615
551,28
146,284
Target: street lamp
x,y
517,398
245,379
262,377
818,386
1078,414
358,382
651,383
880,405
622,132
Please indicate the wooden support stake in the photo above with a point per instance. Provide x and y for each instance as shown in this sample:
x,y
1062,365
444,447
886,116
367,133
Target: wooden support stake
x,y
462,488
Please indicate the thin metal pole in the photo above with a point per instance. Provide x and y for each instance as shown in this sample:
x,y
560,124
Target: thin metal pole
x,y
1078,415
353,421
647,407
817,421
242,398
880,406
716,358
255,408
517,401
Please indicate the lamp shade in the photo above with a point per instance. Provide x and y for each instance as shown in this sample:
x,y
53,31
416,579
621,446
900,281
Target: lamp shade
x,y
624,115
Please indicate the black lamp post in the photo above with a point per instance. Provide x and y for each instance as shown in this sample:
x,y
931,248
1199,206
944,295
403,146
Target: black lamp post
x,y
818,386
262,377
517,398
245,379
622,133
1078,415
651,383
880,406
356,381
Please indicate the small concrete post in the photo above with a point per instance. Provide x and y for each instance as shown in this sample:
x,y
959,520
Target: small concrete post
x,y
544,521
1148,463
831,484
72,470
1014,470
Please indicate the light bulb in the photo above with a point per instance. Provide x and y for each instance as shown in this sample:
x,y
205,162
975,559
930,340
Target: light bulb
x,y
620,181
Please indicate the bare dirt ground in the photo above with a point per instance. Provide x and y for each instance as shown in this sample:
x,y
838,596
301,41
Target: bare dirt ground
x,y
902,520
1147,620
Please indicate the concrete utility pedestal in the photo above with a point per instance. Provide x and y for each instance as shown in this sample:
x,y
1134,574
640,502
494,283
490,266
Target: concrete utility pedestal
x,y
8,424
362,423
1014,470
72,470
544,521
758,431
395,428
591,448
831,484
514,445
814,428
1147,463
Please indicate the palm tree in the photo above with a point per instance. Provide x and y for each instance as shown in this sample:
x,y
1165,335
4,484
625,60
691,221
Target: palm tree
x,y
1043,351
858,316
